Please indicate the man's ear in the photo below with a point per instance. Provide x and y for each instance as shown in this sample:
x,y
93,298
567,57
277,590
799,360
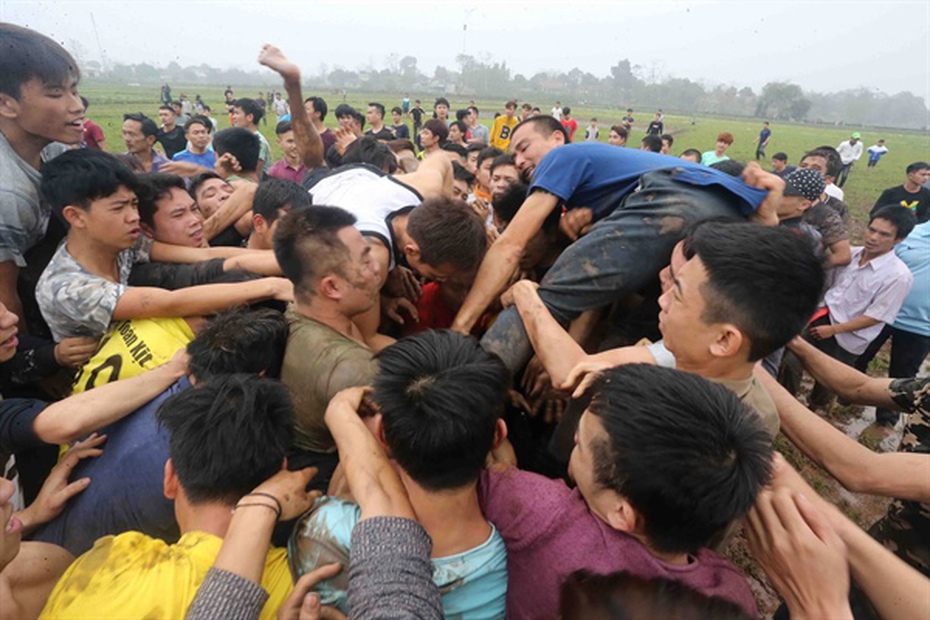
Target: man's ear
x,y
376,425
9,106
500,434
805,205
620,514
258,223
729,341
331,287
150,140
74,216
171,484
412,250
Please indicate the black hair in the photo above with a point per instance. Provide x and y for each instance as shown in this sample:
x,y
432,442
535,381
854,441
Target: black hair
x,y
831,156
25,54
448,231
206,108
463,128
198,119
458,149
343,110
438,129
917,165
567,111
729,166
369,150
461,114
227,435
283,127
149,128
545,125
504,160
377,106
85,102
474,109
686,453
902,218
240,340
242,143
397,110
475,146
693,153
652,143
250,106
80,176
488,152
168,107
319,105
440,395
667,137
307,245
460,173
153,186
273,195
588,596
621,131
780,156
766,280
199,180
440,100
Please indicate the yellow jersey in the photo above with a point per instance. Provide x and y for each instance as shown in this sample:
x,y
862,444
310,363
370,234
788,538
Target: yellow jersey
x,y
500,133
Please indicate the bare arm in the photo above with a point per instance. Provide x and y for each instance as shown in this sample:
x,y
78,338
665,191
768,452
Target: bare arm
x,y
840,253
826,331
66,420
893,474
845,381
146,302
503,258
171,253
755,176
305,134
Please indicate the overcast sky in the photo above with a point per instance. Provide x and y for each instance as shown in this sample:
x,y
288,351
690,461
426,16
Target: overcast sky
x,y
821,45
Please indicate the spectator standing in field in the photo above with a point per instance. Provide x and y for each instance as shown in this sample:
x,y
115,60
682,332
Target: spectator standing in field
x,y
850,151
263,104
557,110
570,124
591,133
628,120
197,134
316,108
170,135
247,114
762,141
503,125
375,116
526,111
724,140
618,135
139,133
279,106
780,165
399,129
913,194
656,127
416,113
667,141
477,133
876,151
93,134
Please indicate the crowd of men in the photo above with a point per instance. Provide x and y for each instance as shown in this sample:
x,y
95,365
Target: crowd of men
x,y
460,371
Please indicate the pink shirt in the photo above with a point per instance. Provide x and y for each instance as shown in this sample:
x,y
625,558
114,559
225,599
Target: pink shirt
x,y
283,170
550,533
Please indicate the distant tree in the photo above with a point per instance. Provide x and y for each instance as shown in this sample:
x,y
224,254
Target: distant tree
x,y
782,100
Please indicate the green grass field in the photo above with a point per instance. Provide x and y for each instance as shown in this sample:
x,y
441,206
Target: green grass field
x,y
109,102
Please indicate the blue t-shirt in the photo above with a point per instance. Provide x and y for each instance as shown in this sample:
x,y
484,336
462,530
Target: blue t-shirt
x,y
126,492
207,160
473,584
599,176
914,315
764,135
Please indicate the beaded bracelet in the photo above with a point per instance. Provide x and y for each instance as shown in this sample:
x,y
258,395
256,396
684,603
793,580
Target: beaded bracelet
x,y
271,497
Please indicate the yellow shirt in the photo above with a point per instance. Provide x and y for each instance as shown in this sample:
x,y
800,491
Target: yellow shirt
x,y
500,133
135,576
132,347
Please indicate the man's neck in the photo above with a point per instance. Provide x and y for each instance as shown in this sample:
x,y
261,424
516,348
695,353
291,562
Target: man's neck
x,y
329,314
913,188
212,518
27,146
93,257
452,518
378,127
168,127
197,151
718,368
318,125
293,162
867,256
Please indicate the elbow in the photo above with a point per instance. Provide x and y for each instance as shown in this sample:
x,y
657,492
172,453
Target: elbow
x,y
57,430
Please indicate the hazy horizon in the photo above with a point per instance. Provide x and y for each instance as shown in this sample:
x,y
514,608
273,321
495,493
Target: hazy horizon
x,y
822,47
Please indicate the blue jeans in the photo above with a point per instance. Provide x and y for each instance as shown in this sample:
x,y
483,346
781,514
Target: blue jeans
x,y
620,255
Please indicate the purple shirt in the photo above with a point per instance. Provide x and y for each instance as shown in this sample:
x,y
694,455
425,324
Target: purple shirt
x,y
283,170
550,533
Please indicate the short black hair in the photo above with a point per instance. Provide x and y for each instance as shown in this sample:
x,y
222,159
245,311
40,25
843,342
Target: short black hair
x,y
830,155
438,129
319,105
250,106
153,186
460,173
440,395
199,180
463,128
441,100
168,107
242,143
227,435
198,119
693,153
685,452
377,106
370,150
545,125
458,149
342,110
80,176
307,245
504,160
283,127
488,152
567,111
780,156
274,194
667,137
461,114
85,102
396,110
652,143
729,166
448,231
240,340
766,280
917,165
901,217
149,128
25,54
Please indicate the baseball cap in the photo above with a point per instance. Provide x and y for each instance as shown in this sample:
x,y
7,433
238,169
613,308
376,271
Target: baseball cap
x,y
804,182
855,135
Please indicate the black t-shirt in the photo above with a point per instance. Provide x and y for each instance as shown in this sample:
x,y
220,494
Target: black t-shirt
x,y
655,128
383,134
173,141
918,202
417,114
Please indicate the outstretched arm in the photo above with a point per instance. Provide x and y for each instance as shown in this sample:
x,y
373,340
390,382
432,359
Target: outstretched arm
x,y
305,134
145,302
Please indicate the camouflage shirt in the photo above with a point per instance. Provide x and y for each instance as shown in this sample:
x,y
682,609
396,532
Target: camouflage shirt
x,y
905,529
827,222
